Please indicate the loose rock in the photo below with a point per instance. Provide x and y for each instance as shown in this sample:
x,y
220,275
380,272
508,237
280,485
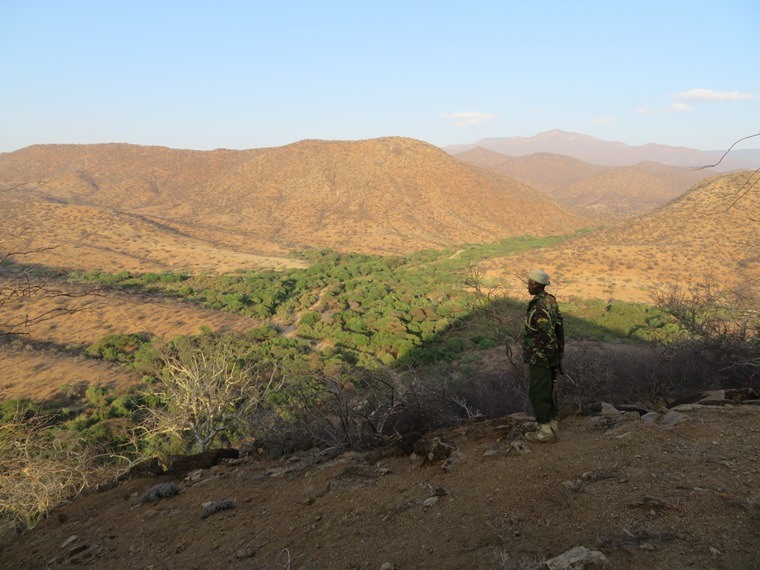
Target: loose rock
x,y
216,507
162,491
578,558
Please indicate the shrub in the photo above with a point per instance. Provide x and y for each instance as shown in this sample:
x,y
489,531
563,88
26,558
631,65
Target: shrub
x,y
20,409
39,469
720,325
118,347
205,392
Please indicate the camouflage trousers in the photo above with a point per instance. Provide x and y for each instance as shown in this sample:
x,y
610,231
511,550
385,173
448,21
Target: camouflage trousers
x,y
543,393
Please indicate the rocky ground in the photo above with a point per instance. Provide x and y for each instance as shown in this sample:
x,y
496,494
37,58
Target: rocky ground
x,y
654,491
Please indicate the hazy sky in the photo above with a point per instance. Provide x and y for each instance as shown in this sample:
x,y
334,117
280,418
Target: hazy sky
x,y
250,74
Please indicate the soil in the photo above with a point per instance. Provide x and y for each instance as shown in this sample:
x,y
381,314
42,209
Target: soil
x,y
644,495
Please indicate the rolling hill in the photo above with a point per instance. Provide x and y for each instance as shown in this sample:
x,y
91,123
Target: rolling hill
x,y
605,193
712,231
629,191
546,172
390,195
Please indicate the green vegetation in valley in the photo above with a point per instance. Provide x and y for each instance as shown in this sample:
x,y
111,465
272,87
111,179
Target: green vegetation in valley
x,y
353,351
379,309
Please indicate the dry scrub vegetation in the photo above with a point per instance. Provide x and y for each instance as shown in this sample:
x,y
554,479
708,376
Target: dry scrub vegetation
x,y
378,351
700,236
390,195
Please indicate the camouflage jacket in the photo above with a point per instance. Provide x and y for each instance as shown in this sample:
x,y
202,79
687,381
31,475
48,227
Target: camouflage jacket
x,y
543,341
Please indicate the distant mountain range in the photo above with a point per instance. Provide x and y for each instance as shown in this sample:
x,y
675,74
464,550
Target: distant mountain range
x,y
610,153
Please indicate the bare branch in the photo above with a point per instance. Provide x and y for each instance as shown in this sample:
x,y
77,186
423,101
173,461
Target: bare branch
x,y
206,392
726,153
722,323
742,192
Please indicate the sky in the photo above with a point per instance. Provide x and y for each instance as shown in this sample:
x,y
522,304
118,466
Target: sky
x,y
251,74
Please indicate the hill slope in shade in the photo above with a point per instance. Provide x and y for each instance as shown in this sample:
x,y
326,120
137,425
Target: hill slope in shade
x,y
706,233
389,195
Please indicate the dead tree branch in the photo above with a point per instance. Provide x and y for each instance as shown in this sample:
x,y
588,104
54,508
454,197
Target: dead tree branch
x,y
726,153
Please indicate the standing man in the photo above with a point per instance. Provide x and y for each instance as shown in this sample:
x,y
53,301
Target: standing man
x,y
543,346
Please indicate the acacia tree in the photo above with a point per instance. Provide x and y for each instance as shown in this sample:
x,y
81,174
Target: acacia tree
x,y
491,296
205,391
721,323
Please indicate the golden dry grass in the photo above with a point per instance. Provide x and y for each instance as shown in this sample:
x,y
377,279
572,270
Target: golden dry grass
x,y
120,313
27,371
120,206
40,375
703,234
94,238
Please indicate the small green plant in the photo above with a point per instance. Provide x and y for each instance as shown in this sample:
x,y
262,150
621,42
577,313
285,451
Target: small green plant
x,y
118,347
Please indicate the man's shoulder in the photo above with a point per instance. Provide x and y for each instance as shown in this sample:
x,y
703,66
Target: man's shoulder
x,y
544,299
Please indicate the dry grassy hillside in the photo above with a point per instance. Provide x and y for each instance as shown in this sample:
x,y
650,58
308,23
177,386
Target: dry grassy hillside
x,y
483,157
88,237
36,364
122,204
121,176
602,192
546,172
706,232
629,190
386,195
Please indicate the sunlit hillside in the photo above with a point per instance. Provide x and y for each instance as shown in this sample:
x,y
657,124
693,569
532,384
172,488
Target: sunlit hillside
x,y
110,206
605,193
711,231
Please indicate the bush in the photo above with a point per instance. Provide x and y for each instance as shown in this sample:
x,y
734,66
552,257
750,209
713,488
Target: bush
x,y
206,391
39,469
20,409
118,347
720,326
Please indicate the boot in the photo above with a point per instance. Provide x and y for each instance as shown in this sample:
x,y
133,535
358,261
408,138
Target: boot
x,y
554,424
544,434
